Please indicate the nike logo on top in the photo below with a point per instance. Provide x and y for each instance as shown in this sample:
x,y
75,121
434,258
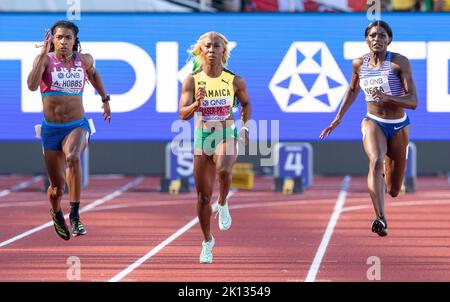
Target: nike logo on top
x,y
396,128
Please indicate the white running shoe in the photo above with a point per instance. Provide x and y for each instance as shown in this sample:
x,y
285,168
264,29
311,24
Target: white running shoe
x,y
224,217
206,255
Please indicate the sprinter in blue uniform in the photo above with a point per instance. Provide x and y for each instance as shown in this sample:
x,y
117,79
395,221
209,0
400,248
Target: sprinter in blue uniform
x,y
387,82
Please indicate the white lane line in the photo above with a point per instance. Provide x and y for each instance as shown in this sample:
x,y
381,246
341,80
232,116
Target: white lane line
x,y
154,251
21,185
89,207
314,269
160,246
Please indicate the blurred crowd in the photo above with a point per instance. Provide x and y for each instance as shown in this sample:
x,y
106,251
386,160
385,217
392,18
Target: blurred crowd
x,y
327,5
187,6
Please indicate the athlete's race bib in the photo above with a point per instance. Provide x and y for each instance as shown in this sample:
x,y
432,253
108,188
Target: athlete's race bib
x,y
215,109
369,84
68,80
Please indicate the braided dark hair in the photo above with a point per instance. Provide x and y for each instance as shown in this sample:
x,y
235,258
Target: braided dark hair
x,y
69,25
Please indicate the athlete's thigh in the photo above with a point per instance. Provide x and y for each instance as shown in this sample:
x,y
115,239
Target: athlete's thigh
x,y
374,141
225,154
75,142
204,174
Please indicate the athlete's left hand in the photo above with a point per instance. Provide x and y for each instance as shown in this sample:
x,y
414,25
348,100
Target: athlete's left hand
x,y
106,112
243,136
379,96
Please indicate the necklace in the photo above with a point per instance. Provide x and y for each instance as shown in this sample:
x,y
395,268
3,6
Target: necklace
x,y
69,57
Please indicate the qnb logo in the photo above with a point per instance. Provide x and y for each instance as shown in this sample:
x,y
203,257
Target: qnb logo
x,y
163,75
437,56
308,79
373,81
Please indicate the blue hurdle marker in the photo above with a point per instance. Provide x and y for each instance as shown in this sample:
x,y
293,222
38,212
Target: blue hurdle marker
x,y
85,168
179,176
409,181
293,169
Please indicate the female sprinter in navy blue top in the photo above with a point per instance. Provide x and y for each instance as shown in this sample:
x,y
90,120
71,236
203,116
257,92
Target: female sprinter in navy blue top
x,y
387,82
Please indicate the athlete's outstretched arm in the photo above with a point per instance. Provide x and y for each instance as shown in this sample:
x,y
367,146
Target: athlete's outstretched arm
x,y
350,96
187,105
39,64
96,81
409,100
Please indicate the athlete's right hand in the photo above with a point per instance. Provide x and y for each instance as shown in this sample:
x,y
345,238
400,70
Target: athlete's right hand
x,y
47,43
200,95
326,132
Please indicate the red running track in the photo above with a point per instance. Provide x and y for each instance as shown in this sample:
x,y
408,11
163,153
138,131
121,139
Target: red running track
x,y
274,237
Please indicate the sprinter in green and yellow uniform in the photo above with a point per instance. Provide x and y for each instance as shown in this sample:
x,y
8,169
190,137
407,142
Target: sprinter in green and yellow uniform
x,y
210,93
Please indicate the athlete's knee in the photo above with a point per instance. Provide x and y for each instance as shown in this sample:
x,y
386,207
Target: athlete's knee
x,y
224,173
55,191
394,191
203,199
376,163
72,159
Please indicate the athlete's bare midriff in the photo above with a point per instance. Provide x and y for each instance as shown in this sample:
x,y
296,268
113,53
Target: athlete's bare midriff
x,y
63,108
386,111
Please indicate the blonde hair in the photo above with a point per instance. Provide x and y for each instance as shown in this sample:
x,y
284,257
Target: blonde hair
x,y
195,52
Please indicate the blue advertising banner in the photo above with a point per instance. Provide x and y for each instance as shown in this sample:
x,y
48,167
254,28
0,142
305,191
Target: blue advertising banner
x,y
296,66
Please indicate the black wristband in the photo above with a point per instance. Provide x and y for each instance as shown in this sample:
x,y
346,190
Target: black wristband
x,y
106,99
